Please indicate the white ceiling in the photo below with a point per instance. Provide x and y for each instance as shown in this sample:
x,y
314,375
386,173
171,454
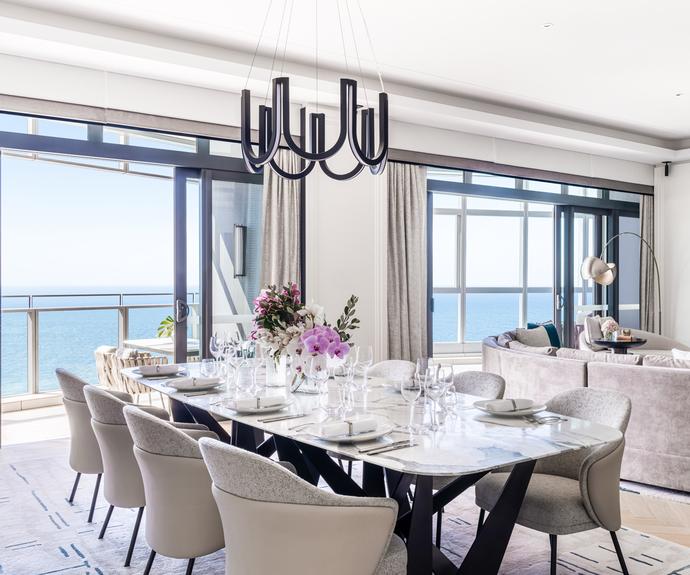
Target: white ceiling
x,y
609,65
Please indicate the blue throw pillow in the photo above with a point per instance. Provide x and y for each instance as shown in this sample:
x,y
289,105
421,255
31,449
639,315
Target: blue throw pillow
x,y
551,330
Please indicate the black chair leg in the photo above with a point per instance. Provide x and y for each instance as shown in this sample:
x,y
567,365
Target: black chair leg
x,y
152,556
133,541
439,525
74,488
480,523
553,541
190,566
94,498
619,552
105,523
349,468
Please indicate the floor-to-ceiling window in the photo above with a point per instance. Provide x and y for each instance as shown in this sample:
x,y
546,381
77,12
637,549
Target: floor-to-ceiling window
x,y
494,254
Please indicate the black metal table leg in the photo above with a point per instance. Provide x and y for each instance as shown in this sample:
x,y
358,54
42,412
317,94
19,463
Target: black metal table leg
x,y
267,448
180,413
486,553
245,437
373,481
288,451
338,480
205,418
419,545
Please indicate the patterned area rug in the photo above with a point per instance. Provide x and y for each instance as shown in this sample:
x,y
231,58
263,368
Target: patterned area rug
x,y
42,534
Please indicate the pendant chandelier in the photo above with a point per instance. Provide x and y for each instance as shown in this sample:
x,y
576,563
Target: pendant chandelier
x,y
274,121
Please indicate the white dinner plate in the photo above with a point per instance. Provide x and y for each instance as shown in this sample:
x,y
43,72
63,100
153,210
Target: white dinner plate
x,y
481,405
158,370
181,385
254,410
383,429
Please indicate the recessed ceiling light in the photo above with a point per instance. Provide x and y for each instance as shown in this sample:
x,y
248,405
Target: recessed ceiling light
x,y
547,25
678,94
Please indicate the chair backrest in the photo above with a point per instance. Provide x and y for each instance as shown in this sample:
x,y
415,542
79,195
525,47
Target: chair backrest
x,y
393,369
84,453
103,366
123,486
480,383
601,406
182,519
275,522
118,363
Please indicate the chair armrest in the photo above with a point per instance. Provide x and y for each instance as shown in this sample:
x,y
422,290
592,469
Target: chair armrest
x,y
599,485
183,425
123,395
159,412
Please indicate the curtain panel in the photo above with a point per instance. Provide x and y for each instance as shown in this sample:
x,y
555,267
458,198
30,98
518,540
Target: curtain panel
x,y
407,261
649,316
280,260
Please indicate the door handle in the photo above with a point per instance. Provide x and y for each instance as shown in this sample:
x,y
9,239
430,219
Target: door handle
x,y
181,311
560,302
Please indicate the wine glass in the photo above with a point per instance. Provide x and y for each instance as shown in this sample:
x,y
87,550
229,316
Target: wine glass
x,y
208,368
215,346
410,389
365,356
317,371
435,389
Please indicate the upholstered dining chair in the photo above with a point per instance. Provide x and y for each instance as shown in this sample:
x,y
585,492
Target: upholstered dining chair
x,y
123,486
576,491
481,383
275,522
84,453
182,519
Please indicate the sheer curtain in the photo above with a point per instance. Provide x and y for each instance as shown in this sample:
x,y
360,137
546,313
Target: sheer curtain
x,y
280,260
407,261
649,317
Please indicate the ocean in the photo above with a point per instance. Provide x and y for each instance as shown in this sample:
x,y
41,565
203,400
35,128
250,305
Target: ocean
x,y
68,338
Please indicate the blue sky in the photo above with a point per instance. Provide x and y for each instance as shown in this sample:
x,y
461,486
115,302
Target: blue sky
x,y
66,226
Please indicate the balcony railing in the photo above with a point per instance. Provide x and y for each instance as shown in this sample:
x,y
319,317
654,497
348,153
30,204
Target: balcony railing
x,y
44,331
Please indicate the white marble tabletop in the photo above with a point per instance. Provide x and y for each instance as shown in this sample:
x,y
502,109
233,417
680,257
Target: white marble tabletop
x,y
469,442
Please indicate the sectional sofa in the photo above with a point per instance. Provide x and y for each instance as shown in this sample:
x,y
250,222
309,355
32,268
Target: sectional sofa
x,y
658,437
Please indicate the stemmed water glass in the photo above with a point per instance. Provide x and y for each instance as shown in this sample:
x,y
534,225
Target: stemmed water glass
x,y
435,389
317,372
411,389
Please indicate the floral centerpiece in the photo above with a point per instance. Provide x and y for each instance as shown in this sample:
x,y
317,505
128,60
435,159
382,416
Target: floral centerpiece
x,y
286,326
609,327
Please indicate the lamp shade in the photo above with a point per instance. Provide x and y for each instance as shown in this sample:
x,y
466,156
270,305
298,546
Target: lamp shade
x,y
598,270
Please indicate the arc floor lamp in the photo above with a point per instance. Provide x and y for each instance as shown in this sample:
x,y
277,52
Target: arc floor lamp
x,y
604,273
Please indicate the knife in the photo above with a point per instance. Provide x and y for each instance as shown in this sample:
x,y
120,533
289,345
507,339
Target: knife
x,y
390,448
281,418
377,447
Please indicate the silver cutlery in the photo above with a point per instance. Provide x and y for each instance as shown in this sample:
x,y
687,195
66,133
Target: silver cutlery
x,y
301,426
546,419
195,393
391,448
282,418
377,447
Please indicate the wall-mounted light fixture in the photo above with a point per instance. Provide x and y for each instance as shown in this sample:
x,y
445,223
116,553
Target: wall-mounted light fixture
x,y
240,250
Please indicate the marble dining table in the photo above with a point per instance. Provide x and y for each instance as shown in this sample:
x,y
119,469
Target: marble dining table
x,y
468,445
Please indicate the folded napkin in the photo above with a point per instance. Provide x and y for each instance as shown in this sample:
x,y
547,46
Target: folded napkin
x,y
188,383
258,402
507,405
162,369
351,426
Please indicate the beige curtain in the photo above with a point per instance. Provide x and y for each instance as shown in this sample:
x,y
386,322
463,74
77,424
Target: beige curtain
x,y
407,262
280,261
649,316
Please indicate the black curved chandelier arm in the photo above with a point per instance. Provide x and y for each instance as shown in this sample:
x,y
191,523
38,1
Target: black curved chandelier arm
x,y
318,134
357,150
271,140
287,175
342,177
301,151
313,144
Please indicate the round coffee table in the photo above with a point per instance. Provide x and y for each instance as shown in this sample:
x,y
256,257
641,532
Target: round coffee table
x,y
620,346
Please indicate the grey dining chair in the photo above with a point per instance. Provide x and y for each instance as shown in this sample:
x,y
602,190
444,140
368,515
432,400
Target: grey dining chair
x,y
123,486
275,522
84,453
182,519
576,491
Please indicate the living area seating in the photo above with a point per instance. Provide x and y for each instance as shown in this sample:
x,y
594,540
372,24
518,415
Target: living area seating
x,y
655,453
656,344
577,491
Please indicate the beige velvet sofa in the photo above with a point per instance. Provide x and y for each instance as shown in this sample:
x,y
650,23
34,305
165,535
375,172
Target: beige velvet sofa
x,y
657,440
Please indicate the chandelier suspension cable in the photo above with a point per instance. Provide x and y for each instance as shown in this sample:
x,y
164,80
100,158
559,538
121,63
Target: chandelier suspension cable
x,y
258,43
287,36
359,62
342,38
371,45
275,53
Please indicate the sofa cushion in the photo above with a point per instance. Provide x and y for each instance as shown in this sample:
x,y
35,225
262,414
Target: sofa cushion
x,y
536,337
600,356
505,338
665,361
541,350
551,329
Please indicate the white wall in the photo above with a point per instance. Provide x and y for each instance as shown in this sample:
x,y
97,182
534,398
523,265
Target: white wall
x,y
672,211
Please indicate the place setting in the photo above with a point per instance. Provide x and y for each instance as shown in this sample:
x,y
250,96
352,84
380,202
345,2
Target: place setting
x,y
518,412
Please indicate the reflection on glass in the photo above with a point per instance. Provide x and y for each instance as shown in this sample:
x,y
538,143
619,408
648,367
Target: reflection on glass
x,y
144,322
447,201
445,250
491,180
536,186
539,307
446,319
446,175
490,314
493,251
13,341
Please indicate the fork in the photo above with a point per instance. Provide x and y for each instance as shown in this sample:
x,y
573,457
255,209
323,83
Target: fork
x,y
544,419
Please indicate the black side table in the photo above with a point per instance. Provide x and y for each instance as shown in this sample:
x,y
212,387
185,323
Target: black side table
x,y
620,347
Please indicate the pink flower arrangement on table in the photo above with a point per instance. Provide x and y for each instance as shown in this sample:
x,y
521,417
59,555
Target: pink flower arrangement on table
x,y
609,327
283,324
